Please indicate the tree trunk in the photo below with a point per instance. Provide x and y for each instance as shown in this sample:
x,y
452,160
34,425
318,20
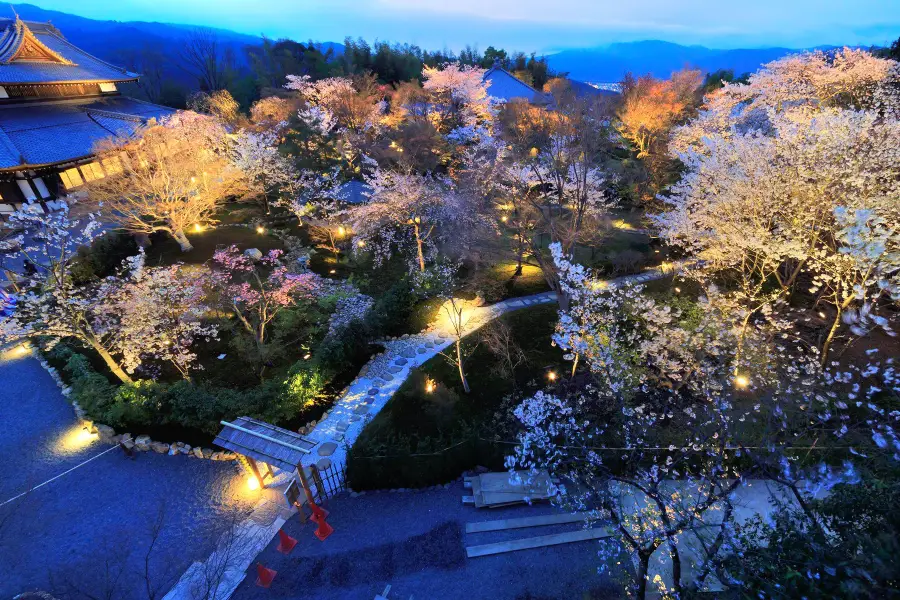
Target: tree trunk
x,y
182,240
109,360
643,562
826,345
459,362
421,254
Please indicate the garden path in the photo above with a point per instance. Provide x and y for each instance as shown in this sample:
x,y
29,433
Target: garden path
x,y
385,373
364,398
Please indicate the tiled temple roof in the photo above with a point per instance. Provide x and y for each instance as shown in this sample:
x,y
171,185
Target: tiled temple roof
x,y
503,85
46,133
33,52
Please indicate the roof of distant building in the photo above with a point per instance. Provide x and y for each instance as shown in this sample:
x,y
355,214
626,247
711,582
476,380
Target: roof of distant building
x,y
503,85
33,53
47,133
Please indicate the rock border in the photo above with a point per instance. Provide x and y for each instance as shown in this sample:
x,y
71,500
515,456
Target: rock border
x,y
141,443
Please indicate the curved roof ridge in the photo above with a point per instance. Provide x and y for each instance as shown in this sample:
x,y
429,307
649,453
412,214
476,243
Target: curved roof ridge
x,y
15,38
53,31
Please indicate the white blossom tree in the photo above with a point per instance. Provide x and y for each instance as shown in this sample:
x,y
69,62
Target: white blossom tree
x,y
457,97
173,176
671,419
769,167
411,214
51,305
267,170
157,313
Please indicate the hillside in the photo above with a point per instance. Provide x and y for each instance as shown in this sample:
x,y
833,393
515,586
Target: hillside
x,y
146,47
609,63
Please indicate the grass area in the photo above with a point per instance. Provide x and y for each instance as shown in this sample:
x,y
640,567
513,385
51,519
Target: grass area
x,y
165,250
414,412
418,421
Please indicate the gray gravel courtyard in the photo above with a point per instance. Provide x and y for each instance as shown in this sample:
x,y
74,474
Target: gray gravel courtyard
x,y
88,531
415,541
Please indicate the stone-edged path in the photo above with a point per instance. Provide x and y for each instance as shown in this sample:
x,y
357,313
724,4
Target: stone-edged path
x,y
365,397
385,373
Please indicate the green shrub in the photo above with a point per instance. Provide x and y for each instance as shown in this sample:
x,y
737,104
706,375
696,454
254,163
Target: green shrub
x,y
304,385
135,403
91,390
103,257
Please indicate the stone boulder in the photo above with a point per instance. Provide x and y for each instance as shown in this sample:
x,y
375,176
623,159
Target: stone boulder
x,y
106,433
253,253
142,442
159,447
196,451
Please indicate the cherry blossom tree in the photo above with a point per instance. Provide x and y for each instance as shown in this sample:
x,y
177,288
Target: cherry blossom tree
x,y
354,104
51,305
457,97
267,171
157,313
173,176
812,81
411,214
670,420
760,200
255,291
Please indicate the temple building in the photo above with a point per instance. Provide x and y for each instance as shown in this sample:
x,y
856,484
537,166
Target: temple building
x,y
56,103
505,86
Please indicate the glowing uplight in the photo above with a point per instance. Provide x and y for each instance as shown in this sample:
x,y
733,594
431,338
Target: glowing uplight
x,y
75,439
429,386
252,483
341,231
741,382
551,375
677,290
198,227
332,271
821,314
260,229
504,218
361,243
17,352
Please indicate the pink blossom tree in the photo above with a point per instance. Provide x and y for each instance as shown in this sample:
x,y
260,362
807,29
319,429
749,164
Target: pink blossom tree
x,y
255,291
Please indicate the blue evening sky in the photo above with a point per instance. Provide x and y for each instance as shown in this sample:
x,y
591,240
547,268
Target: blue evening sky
x,y
529,25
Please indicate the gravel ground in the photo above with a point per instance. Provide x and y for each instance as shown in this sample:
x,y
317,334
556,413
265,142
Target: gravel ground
x,y
415,541
89,530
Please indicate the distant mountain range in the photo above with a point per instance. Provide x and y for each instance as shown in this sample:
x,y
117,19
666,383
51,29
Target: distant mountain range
x,y
128,43
610,63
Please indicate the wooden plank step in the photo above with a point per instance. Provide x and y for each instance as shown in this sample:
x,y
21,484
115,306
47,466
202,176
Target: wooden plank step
x,y
537,521
468,500
540,541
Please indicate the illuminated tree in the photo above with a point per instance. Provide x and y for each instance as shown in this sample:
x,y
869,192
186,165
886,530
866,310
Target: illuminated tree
x,y
554,188
650,107
173,176
743,210
268,172
656,439
158,313
52,306
411,214
458,97
219,104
